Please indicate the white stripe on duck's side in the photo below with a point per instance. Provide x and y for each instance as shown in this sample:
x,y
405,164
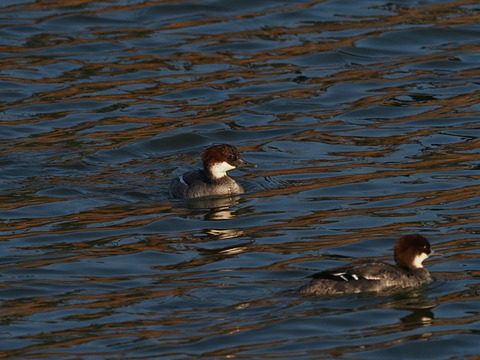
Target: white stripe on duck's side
x,y
182,180
345,278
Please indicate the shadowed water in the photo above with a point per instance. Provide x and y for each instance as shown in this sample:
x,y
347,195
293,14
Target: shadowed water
x,y
363,120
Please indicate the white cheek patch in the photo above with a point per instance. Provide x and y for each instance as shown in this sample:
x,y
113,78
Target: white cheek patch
x,y
417,261
219,170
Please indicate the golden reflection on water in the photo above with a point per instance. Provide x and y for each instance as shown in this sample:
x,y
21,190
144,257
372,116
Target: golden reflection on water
x,y
89,118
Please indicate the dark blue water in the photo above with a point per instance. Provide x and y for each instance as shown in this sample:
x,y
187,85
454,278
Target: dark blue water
x,y
363,119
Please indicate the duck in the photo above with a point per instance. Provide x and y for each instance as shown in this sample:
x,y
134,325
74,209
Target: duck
x,y
374,276
212,180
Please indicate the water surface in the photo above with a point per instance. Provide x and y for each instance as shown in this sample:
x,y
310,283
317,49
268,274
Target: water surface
x,y
363,119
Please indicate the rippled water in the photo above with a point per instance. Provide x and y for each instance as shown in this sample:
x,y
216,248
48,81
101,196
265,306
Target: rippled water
x,y
363,119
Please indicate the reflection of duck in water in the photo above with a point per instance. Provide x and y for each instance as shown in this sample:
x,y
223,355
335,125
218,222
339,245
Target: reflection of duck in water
x,y
213,179
373,275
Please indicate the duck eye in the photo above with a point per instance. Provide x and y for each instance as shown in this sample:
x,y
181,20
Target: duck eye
x,y
232,158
